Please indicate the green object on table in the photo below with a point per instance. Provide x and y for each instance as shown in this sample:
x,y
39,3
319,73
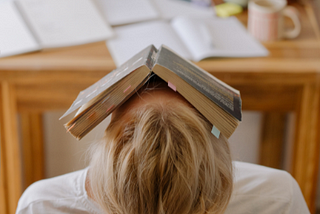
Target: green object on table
x,y
227,9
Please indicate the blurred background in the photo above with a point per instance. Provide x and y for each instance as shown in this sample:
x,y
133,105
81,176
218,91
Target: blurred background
x,y
63,153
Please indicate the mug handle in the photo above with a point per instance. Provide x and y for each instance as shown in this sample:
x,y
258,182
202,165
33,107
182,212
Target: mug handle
x,y
293,14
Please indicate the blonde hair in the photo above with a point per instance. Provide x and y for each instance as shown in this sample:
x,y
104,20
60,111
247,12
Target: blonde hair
x,y
162,160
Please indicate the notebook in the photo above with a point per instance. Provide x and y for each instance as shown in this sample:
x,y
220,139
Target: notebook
x,y
122,12
192,38
29,25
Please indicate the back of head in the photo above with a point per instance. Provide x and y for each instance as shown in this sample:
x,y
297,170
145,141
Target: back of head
x,y
161,159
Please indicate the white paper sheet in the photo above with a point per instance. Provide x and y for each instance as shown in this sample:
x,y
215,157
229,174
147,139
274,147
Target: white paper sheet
x,y
172,8
2,1
133,38
58,23
118,12
216,37
15,37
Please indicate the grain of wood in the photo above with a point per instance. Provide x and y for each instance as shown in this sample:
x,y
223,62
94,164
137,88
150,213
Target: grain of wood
x,y
306,148
10,146
32,147
271,146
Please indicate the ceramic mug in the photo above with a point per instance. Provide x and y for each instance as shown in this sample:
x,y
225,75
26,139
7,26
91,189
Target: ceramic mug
x,y
266,20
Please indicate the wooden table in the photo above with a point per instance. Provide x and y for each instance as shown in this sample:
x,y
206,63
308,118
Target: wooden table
x,y
286,81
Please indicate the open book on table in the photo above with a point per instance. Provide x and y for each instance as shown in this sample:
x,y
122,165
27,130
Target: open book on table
x,y
29,25
121,12
215,100
192,38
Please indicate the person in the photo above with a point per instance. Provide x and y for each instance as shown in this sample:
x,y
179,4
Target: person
x,y
158,156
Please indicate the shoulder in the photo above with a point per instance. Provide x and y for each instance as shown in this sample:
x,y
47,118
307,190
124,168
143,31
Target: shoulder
x,y
265,190
246,173
49,190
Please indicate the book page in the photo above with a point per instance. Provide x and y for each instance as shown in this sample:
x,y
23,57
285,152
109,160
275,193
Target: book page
x,y
58,23
133,38
15,37
171,8
207,37
124,12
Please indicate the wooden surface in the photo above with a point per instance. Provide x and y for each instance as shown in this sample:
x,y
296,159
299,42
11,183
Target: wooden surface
x,y
32,147
10,152
3,190
306,155
274,131
286,81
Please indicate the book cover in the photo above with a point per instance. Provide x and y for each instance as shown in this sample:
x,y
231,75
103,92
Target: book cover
x,y
218,92
144,57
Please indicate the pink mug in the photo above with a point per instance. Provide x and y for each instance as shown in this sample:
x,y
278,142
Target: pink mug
x,y
266,20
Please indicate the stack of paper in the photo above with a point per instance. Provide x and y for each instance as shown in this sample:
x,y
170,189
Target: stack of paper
x,y
192,31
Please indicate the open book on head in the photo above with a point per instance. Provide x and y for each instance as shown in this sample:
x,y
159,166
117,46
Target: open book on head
x,y
29,25
215,100
191,37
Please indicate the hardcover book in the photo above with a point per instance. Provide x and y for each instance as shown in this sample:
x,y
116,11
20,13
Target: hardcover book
x,y
215,100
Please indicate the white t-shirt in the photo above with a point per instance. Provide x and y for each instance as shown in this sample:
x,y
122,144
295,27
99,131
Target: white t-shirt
x,y
257,190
